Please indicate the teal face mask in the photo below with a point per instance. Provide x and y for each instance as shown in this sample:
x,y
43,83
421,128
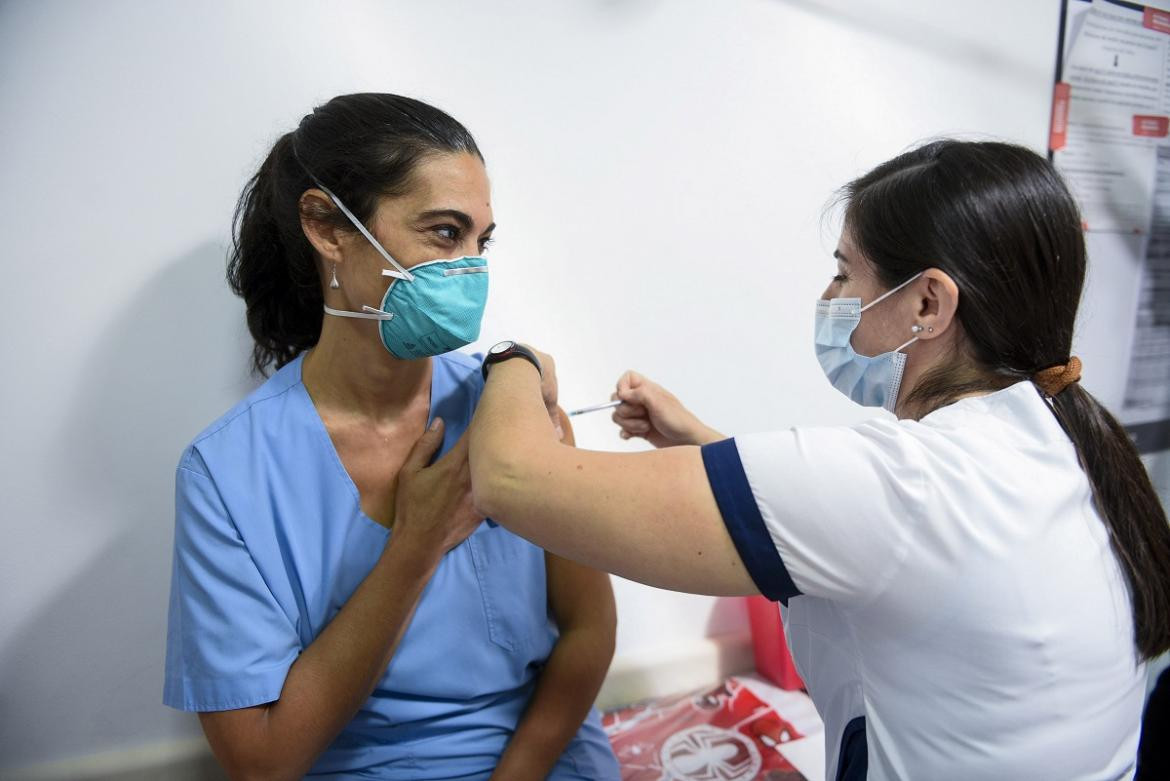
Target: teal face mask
x,y
430,309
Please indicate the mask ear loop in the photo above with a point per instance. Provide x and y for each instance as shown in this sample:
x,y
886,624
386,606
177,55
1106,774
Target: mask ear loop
x,y
905,345
368,313
401,272
877,300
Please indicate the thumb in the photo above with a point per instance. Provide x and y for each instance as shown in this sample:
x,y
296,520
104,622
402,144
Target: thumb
x,y
630,379
633,387
426,447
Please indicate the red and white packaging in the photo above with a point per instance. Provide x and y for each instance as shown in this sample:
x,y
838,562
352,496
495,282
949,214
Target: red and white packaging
x,y
742,730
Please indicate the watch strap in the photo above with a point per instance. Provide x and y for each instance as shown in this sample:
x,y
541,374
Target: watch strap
x,y
517,350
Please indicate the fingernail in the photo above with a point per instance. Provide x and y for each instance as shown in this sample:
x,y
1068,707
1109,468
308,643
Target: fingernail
x,y
436,423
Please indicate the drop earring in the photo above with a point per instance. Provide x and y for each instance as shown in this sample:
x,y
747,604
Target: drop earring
x,y
333,283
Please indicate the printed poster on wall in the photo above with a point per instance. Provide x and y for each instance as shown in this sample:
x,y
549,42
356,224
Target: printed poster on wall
x,y
1110,139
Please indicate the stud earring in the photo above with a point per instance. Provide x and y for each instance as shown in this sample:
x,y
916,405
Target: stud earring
x,y
333,283
916,329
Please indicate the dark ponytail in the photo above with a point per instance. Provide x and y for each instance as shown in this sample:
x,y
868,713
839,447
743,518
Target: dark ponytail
x,y
362,147
1130,505
272,266
998,219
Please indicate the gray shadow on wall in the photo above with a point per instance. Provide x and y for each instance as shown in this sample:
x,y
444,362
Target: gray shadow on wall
x,y
87,670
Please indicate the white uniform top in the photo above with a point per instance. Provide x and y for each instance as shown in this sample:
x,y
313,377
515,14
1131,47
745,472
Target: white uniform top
x,y
952,583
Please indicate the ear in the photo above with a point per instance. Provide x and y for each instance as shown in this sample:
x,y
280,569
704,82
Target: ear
x,y
316,209
938,303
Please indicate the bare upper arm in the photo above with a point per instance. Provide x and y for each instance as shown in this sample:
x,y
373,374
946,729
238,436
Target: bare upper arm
x,y
649,517
578,595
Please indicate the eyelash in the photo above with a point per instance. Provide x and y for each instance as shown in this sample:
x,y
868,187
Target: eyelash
x,y
456,233
840,278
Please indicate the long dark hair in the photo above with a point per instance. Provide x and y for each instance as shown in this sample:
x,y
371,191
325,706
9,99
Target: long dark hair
x,y
362,147
998,219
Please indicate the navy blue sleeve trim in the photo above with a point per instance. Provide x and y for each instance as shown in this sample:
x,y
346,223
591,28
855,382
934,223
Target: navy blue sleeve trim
x,y
742,517
853,761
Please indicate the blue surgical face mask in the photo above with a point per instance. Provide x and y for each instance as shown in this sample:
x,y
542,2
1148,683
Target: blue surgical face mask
x,y
871,382
430,309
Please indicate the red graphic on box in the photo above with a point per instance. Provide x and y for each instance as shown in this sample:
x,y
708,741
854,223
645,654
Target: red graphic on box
x,y
721,734
1058,133
1152,126
1156,20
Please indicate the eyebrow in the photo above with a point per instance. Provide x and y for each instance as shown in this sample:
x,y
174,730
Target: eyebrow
x,y
837,254
453,214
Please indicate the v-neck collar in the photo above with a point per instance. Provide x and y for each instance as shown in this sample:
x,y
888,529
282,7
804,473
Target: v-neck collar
x,y
318,423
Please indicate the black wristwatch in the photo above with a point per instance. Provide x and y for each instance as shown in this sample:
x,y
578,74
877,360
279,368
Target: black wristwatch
x,y
505,350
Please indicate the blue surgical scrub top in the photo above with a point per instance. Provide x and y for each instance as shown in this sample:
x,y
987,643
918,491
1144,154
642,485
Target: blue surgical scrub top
x,y
270,541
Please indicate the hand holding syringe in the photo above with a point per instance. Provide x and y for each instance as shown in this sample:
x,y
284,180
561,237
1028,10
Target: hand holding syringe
x,y
648,411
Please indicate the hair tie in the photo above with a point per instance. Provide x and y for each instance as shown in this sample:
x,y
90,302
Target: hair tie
x,y
1055,379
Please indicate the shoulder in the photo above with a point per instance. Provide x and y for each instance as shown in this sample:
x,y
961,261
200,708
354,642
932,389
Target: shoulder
x,y
459,373
264,407
847,507
461,365
990,437
881,444
1010,424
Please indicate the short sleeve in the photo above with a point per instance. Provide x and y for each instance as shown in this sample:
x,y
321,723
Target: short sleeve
x,y
229,643
827,512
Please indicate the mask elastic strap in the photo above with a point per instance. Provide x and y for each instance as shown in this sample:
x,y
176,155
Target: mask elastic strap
x,y
401,272
907,344
877,300
367,313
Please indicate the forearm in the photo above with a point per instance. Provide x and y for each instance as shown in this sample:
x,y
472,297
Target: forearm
x,y
705,435
564,694
333,676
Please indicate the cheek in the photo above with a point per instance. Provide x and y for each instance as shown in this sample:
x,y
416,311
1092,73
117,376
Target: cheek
x,y
363,280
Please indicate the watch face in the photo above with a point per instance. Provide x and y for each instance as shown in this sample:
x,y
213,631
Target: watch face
x,y
502,347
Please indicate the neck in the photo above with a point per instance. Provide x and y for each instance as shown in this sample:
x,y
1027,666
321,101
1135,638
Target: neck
x,y
936,380
350,370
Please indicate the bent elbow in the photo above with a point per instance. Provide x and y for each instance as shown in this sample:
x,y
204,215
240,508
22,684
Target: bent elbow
x,y
262,771
246,756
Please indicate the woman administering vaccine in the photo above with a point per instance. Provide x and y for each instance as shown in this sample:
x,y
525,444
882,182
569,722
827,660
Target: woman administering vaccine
x,y
974,587
338,608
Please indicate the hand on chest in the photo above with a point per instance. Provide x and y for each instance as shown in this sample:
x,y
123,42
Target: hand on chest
x,y
373,455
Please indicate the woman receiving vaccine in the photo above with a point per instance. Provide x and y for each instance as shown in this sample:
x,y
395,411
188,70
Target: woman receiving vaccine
x,y
338,607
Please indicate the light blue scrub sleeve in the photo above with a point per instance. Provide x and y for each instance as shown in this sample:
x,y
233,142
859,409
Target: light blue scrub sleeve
x,y
229,643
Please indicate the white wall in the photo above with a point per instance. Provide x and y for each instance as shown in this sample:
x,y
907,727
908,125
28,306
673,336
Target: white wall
x,y
659,170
